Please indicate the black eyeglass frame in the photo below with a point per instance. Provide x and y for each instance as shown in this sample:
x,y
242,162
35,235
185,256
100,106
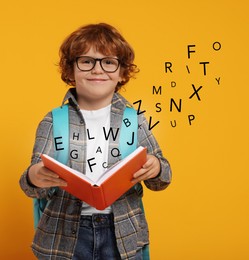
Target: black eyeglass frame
x,y
100,62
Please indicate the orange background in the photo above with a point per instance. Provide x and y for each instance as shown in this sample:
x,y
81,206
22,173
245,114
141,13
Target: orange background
x,y
204,213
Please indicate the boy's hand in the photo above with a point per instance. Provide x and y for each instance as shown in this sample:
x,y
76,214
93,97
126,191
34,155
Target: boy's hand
x,y
42,177
149,170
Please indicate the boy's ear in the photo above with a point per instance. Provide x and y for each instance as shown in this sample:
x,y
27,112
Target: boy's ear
x,y
121,77
121,81
72,78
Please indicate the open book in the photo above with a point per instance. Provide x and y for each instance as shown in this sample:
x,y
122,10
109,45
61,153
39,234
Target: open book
x,y
113,183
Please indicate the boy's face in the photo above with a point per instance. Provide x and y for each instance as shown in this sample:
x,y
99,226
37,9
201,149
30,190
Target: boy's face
x,y
95,88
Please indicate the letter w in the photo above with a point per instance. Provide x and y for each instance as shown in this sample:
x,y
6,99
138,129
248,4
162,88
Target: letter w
x,y
114,135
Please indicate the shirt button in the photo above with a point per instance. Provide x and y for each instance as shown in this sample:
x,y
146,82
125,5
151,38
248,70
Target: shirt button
x,y
73,232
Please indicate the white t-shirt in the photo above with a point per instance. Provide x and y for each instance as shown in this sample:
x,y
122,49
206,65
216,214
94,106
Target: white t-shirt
x,y
97,125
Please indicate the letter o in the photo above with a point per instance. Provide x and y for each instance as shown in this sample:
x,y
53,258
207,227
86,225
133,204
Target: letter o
x,y
216,46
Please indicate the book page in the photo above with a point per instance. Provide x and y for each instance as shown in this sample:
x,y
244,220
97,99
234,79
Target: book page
x,y
117,166
58,167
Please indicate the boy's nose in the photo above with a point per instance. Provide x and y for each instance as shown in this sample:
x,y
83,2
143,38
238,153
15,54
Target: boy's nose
x,y
97,68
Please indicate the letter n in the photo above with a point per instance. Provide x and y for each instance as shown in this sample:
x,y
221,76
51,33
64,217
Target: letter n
x,y
178,107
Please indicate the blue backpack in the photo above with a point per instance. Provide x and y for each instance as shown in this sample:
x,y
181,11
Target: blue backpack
x,y
61,118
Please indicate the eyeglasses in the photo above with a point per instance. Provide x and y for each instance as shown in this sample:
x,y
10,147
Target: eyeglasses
x,y
108,64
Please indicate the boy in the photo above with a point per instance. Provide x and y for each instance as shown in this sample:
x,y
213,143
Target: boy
x,y
96,61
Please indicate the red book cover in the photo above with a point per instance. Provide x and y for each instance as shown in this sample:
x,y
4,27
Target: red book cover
x,y
112,184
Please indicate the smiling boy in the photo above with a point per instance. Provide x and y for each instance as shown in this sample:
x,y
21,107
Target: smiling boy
x,y
96,61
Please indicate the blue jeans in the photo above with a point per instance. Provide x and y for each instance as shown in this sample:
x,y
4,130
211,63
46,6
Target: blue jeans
x,y
96,239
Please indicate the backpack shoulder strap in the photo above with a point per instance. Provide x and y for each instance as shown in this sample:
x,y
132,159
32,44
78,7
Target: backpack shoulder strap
x,y
61,133
61,143
128,134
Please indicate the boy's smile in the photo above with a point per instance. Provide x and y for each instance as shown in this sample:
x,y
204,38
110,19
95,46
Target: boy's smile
x,y
95,88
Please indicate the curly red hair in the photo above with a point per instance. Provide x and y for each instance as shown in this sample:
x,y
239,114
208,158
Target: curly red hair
x,y
105,39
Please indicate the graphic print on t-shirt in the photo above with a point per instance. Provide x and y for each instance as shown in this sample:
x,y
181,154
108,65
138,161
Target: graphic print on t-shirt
x,y
97,132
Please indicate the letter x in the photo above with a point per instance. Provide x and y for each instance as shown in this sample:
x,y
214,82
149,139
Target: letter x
x,y
195,92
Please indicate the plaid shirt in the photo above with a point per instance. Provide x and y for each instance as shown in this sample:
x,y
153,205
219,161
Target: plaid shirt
x,y
56,235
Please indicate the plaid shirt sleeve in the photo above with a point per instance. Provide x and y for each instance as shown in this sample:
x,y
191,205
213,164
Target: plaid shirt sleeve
x,y
43,144
147,139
